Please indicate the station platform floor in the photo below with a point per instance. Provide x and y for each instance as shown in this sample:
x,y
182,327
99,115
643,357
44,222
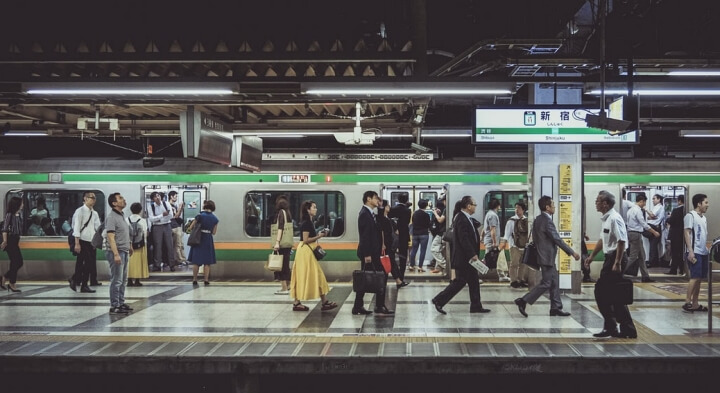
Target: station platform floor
x,y
244,334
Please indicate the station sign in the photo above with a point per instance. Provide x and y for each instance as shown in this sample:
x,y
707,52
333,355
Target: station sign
x,y
541,125
348,156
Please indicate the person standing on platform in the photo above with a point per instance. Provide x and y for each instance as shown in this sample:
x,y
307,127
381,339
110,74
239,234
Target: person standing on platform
x,y
160,214
388,231
636,224
613,238
401,212
176,226
698,257
282,215
369,248
85,222
516,236
465,248
308,280
138,265
547,240
437,248
420,235
11,230
655,220
491,226
204,253
118,249
676,236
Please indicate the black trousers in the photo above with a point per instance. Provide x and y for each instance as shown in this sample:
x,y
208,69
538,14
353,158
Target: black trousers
x,y
84,262
464,275
402,255
612,313
380,296
677,263
285,273
16,259
394,270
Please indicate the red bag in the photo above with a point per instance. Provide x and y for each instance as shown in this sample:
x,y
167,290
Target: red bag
x,y
385,260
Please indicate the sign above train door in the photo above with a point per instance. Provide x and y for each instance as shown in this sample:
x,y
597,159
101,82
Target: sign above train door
x,y
541,124
348,156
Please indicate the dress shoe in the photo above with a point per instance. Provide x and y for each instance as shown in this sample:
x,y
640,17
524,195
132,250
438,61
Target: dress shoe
x,y
627,335
361,311
383,311
648,280
73,286
607,333
588,279
86,289
403,284
95,284
521,303
479,310
671,273
559,313
438,307
515,284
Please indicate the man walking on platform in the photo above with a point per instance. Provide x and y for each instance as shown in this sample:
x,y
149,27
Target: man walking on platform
x,y
613,238
547,240
636,224
698,258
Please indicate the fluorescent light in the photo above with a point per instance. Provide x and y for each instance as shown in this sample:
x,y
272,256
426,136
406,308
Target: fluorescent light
x,y
694,73
700,133
155,92
407,92
659,92
26,133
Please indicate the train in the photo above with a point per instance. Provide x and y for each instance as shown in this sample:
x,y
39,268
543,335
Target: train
x,y
245,201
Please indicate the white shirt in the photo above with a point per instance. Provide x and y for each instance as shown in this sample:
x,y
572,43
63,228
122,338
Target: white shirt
x,y
698,225
510,229
613,231
80,217
157,217
635,220
657,210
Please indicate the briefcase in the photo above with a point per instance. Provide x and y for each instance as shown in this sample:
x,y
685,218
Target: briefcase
x,y
530,257
369,281
615,291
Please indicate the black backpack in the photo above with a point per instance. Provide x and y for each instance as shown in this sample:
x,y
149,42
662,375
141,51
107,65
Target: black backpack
x,y
520,232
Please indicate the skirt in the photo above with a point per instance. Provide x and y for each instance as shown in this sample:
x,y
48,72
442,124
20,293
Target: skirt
x,y
307,281
138,264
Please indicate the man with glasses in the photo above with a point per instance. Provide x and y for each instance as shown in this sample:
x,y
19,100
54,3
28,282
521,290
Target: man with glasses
x,y
85,222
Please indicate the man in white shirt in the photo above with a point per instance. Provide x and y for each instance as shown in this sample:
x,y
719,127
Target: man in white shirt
x,y
655,220
85,223
160,214
636,224
516,236
697,255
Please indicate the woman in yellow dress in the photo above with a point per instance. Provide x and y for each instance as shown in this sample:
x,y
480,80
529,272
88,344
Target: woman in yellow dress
x,y
138,265
308,280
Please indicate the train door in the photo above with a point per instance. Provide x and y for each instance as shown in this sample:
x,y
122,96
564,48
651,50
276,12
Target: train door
x,y
507,199
662,199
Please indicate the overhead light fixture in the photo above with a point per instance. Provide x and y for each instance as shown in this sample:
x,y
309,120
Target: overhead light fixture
x,y
700,133
407,88
26,133
659,92
694,73
407,92
153,92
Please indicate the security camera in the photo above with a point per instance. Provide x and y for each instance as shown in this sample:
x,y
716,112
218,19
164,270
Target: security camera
x,y
420,148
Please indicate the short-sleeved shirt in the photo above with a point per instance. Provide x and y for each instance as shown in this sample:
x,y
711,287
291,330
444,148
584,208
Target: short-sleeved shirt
x,y
307,226
115,222
698,225
613,231
491,220
636,222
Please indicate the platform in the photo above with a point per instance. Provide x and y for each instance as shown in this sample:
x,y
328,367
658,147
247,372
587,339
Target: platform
x,y
245,335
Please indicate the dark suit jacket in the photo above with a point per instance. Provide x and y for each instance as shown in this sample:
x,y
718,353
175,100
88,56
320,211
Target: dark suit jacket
x,y
466,241
369,236
676,222
547,240
402,213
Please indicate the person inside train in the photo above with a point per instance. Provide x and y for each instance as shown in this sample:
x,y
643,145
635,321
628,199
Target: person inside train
x,y
47,228
252,228
204,253
11,232
308,279
401,212
35,228
40,209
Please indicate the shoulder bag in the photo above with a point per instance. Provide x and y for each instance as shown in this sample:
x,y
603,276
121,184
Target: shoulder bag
x,y
71,238
274,262
195,235
530,255
369,281
318,251
286,241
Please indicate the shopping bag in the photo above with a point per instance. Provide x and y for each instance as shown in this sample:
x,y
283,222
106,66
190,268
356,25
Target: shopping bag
x,y
286,240
530,257
274,262
502,261
369,281
385,260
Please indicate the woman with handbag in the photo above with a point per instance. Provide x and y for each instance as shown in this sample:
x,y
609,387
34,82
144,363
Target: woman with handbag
x,y
11,231
388,229
138,264
308,280
204,253
282,216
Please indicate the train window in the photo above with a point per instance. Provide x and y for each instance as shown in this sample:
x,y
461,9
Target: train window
x,y
507,199
431,197
50,212
260,211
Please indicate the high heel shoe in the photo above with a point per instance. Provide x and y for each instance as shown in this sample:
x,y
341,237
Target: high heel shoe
x,y
10,288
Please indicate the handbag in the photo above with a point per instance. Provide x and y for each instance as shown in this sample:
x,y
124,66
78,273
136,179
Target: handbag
x,y
530,257
369,281
274,262
491,258
319,252
502,261
614,291
286,240
448,236
385,260
195,234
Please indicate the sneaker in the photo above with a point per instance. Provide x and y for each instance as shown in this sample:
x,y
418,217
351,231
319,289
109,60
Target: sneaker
x,y
480,280
281,292
504,279
125,307
117,310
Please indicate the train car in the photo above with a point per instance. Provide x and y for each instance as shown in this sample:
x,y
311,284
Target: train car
x,y
245,201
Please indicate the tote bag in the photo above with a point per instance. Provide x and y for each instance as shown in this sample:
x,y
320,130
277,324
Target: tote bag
x,y
274,262
286,241
502,261
385,260
195,235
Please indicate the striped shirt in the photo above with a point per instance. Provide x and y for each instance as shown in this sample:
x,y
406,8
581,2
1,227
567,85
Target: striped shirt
x,y
13,224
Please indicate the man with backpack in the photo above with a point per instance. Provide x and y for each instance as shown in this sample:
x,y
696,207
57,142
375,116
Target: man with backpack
x,y
160,214
85,222
516,236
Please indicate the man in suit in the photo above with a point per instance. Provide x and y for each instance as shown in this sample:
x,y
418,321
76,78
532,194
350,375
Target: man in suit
x,y
675,222
402,213
547,240
465,247
613,238
369,248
